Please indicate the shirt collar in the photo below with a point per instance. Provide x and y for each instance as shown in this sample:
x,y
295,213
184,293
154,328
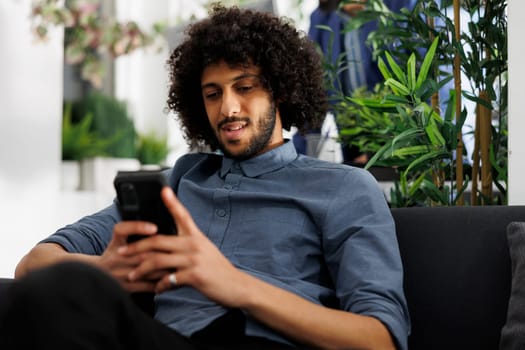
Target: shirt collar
x,y
262,164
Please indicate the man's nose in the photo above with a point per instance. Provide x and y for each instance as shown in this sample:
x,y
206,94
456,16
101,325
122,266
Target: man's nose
x,y
230,104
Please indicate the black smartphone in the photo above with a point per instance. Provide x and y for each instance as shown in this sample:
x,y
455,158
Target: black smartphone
x,y
138,198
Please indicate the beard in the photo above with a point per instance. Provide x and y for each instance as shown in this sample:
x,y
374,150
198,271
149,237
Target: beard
x,y
259,140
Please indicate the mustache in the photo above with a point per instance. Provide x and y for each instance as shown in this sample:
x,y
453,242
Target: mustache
x,y
232,120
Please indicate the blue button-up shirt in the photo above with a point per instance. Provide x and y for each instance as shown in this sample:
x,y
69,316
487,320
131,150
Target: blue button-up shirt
x,y
320,230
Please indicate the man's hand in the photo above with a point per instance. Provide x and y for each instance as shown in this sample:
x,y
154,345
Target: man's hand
x,y
119,266
194,259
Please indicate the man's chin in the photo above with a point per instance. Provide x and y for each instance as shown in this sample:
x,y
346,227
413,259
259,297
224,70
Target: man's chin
x,y
237,153
232,152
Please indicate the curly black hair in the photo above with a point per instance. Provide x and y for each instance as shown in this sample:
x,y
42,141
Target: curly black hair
x,y
290,68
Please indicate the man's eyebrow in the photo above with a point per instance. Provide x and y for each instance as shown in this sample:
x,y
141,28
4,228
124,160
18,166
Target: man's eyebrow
x,y
237,78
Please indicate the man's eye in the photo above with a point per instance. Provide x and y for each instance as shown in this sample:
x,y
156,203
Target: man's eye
x,y
211,95
245,88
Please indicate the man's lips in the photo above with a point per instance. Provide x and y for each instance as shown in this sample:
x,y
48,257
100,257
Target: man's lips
x,y
232,120
233,131
232,128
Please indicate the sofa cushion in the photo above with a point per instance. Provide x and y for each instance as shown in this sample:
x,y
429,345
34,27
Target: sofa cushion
x,y
513,332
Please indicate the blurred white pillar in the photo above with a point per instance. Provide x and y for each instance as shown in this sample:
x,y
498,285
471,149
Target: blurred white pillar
x,y
141,78
30,122
516,103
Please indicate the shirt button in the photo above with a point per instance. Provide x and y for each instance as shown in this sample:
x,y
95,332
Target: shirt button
x,y
220,212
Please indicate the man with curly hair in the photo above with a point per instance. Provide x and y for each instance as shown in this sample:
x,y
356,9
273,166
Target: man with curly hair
x,y
274,250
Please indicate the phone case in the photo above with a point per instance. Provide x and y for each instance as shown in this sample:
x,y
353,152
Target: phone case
x,y
138,197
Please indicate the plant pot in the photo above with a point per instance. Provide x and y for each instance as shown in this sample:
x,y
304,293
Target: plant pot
x,y
97,174
69,175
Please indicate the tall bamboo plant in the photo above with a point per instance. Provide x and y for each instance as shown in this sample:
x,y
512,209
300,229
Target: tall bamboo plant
x,y
483,53
479,51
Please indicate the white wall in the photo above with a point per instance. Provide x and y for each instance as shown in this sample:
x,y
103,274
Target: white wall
x,y
30,114
516,103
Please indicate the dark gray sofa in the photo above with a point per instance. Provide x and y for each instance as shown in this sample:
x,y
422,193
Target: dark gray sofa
x,y
457,274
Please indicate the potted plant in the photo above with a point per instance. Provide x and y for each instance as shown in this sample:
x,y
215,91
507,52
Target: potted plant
x,y
112,125
152,150
78,142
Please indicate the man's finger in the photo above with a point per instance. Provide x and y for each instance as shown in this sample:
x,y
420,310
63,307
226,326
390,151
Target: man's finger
x,y
124,229
183,219
140,286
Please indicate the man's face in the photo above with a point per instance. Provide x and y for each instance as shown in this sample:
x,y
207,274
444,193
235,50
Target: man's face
x,y
240,110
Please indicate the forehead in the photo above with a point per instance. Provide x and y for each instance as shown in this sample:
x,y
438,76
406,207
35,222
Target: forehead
x,y
221,72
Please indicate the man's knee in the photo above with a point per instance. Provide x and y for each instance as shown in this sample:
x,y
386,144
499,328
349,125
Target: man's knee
x,y
70,273
64,304
63,282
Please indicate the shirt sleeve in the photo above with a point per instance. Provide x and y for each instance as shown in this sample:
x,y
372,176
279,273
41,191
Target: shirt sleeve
x,y
89,235
92,234
363,256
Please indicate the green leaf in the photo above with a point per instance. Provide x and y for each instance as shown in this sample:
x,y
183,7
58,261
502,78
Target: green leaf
x,y
410,151
378,155
476,99
434,155
411,72
427,62
373,103
461,190
434,135
406,135
395,99
416,185
434,193
383,68
398,72
451,106
427,89
398,87
461,121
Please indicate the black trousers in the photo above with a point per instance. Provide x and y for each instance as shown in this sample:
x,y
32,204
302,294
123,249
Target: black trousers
x,y
76,306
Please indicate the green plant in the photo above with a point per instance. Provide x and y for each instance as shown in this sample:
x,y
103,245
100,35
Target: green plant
x,y
78,141
152,149
479,50
421,143
367,128
110,122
